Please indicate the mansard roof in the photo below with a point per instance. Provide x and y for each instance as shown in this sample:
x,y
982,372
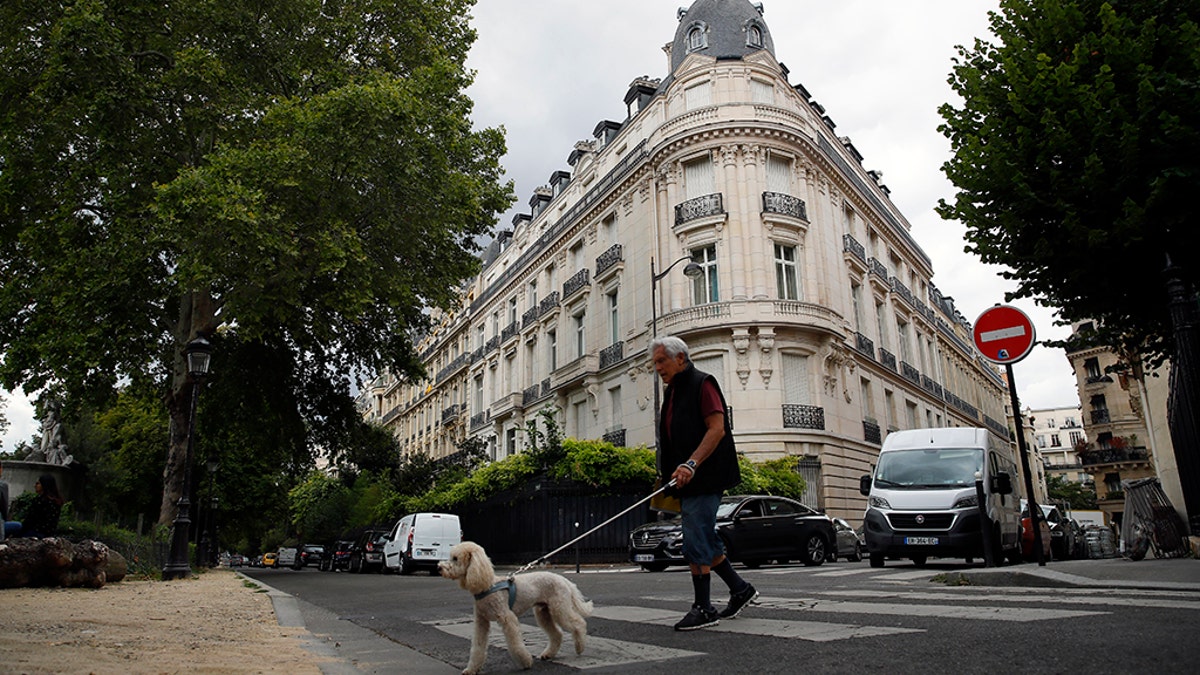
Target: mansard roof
x,y
722,29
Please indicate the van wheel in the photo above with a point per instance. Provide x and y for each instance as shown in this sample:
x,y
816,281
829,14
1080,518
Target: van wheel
x,y
876,559
919,560
406,566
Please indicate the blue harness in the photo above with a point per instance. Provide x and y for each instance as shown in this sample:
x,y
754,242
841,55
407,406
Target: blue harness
x,y
507,585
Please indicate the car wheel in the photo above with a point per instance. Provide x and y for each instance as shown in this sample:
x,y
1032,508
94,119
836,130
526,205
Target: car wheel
x,y
654,566
355,565
856,556
919,560
876,559
815,550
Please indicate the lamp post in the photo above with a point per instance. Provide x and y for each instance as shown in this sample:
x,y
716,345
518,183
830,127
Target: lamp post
x,y
692,270
197,353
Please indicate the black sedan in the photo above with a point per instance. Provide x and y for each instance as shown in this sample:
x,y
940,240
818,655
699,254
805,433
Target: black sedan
x,y
755,529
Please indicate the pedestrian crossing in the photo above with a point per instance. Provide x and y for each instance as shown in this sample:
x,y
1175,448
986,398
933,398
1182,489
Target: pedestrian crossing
x,y
824,616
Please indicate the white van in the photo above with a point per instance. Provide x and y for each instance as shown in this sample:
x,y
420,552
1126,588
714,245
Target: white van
x,y
922,501
420,540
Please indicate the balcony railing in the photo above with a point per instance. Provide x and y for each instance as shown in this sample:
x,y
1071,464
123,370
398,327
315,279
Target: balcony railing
x,y
1113,456
612,354
577,282
888,359
452,413
783,204
609,258
510,331
851,246
878,269
616,437
1100,417
910,373
803,417
479,420
700,207
871,432
531,394
864,344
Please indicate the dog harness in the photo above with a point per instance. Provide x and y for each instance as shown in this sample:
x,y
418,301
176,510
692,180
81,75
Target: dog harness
x,y
507,585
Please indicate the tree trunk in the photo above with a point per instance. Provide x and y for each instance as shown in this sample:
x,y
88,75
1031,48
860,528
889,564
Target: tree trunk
x,y
197,316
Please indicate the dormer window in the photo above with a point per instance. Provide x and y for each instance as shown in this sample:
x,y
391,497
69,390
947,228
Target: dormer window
x,y
697,37
754,36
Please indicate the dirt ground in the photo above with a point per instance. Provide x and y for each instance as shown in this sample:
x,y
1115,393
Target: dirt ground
x,y
212,623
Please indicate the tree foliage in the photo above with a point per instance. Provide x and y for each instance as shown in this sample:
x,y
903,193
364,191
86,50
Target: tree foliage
x,y
1077,495
296,174
1074,155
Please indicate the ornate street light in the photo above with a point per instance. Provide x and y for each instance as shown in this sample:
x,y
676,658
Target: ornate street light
x,y
693,271
198,353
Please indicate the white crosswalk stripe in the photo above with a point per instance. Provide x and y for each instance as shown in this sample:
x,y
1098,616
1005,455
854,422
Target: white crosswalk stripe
x,y
814,631
600,652
957,611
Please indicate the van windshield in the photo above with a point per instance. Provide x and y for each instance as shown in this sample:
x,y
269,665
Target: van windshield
x,y
937,468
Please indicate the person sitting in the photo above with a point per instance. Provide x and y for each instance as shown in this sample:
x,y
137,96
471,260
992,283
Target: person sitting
x,y
41,518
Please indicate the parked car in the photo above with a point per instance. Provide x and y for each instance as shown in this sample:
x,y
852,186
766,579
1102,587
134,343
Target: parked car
x,y
1062,535
366,554
309,554
270,559
754,528
420,541
337,556
850,543
237,560
1027,550
657,545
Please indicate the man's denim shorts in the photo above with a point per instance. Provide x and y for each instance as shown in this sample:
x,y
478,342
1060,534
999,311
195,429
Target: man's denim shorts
x,y
701,545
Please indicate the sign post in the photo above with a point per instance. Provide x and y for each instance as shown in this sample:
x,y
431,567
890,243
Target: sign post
x,y
1005,335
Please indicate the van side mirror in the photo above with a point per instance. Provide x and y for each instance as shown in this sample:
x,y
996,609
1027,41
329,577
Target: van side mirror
x,y
1002,484
864,485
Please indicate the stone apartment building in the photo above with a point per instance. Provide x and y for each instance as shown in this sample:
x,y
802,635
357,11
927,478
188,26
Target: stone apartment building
x,y
813,305
1057,433
1125,422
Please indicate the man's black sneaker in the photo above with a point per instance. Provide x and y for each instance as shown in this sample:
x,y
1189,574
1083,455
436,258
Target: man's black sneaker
x,y
738,602
698,618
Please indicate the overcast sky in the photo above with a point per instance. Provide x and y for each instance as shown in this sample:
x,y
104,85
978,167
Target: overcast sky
x,y
549,70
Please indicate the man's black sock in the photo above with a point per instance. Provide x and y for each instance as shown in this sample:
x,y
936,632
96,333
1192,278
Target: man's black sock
x,y
701,584
729,576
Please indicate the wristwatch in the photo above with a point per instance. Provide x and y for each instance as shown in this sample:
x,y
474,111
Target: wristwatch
x,y
691,464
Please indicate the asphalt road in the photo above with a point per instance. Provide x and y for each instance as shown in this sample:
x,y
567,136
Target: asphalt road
x,y
837,618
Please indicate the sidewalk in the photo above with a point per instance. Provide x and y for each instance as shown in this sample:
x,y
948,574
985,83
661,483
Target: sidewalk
x,y
1167,574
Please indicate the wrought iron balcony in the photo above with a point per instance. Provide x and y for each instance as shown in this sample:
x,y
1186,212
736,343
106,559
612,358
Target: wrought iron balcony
x,y
531,394
700,207
910,373
878,269
864,344
612,354
616,437
452,413
480,419
1113,456
609,258
871,432
888,359
510,331
850,245
1101,417
783,204
577,282
803,417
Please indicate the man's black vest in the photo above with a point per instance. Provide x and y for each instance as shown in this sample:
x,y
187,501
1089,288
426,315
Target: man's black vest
x,y
719,471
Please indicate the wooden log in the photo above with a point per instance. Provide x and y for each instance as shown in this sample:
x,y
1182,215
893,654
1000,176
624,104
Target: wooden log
x,y
52,561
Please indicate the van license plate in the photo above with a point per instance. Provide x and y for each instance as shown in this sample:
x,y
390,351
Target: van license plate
x,y
921,541
643,557
424,553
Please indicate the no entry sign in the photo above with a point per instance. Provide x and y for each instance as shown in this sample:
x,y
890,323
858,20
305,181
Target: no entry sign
x,y
1003,334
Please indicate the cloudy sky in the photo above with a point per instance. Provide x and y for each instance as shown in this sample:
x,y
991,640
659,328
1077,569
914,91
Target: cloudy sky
x,y
549,70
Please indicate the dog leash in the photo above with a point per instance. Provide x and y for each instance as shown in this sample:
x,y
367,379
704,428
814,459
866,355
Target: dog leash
x,y
567,545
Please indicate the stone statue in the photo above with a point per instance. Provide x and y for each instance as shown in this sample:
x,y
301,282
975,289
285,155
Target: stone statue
x,y
52,450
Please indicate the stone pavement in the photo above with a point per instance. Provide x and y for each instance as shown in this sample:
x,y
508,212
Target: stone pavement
x,y
355,650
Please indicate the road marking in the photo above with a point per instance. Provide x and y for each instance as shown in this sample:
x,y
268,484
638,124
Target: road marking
x,y
972,612
813,631
599,652
993,596
846,573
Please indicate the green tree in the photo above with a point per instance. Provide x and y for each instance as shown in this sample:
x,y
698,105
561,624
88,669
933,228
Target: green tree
x,y
320,506
1074,155
1078,495
299,174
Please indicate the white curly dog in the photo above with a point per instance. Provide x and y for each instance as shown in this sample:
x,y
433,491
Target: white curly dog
x,y
554,601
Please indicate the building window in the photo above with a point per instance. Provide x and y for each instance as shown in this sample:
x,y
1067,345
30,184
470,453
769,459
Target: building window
x,y
697,37
704,286
533,294
552,349
698,178
697,96
762,92
614,319
1055,441
785,272
580,334
754,36
779,174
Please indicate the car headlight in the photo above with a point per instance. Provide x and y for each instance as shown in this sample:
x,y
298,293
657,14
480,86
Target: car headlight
x,y
966,502
880,503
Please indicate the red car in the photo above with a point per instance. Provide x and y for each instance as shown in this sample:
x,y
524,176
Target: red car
x,y
1027,535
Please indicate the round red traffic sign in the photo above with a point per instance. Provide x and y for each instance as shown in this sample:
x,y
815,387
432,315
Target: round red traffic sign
x,y
1003,334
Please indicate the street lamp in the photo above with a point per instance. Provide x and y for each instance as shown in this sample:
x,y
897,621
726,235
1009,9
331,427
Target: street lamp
x,y
197,352
693,271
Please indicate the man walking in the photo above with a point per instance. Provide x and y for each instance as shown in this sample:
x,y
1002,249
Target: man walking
x,y
695,439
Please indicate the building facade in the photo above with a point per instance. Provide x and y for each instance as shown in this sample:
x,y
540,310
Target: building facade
x,y
1058,434
1125,419
813,306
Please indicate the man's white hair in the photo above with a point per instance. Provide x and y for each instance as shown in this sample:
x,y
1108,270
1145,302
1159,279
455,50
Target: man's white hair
x,y
672,346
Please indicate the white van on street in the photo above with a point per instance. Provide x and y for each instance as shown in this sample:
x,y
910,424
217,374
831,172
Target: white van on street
x,y
922,500
421,541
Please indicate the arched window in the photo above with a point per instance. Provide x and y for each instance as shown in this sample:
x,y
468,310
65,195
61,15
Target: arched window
x,y
754,36
697,37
